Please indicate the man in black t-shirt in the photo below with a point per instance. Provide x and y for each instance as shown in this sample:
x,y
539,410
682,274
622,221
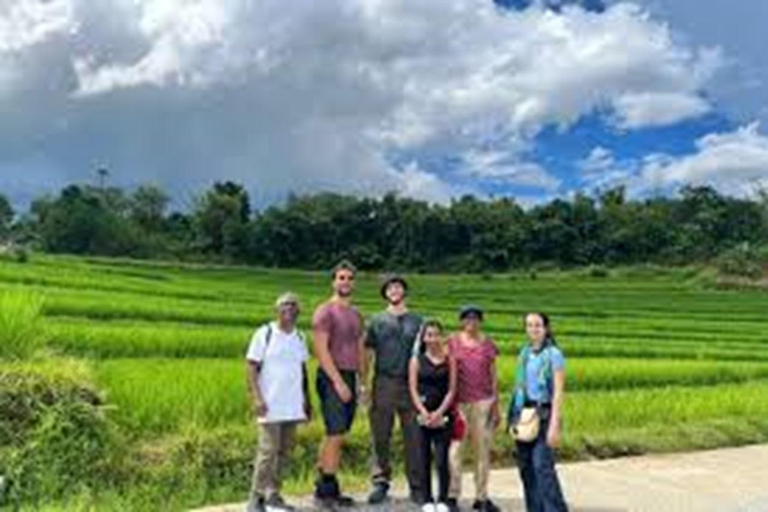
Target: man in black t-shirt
x,y
390,338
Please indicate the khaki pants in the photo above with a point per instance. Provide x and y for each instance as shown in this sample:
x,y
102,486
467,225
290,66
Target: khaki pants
x,y
275,443
480,434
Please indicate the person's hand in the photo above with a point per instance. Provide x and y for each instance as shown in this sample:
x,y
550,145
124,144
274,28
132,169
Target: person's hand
x,y
308,411
435,420
553,435
342,390
260,408
364,397
424,417
495,416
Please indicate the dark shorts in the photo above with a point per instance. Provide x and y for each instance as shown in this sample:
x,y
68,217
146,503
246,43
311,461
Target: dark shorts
x,y
337,415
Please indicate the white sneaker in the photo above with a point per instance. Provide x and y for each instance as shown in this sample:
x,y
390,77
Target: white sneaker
x,y
428,507
442,507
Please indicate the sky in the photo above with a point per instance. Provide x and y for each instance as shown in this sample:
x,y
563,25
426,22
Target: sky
x,y
532,99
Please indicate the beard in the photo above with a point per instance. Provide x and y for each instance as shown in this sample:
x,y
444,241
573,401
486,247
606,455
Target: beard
x,y
344,292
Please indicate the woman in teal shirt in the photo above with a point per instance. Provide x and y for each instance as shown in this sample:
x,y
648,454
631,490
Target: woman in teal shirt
x,y
540,383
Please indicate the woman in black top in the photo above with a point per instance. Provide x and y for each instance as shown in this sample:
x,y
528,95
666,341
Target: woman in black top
x,y
432,383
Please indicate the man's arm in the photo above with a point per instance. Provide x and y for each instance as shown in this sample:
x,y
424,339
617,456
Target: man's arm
x,y
363,362
253,370
305,385
413,387
323,354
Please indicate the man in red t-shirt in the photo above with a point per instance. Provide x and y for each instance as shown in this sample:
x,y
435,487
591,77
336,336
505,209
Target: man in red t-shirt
x,y
339,346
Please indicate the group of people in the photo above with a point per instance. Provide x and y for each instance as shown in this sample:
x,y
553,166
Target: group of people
x,y
443,389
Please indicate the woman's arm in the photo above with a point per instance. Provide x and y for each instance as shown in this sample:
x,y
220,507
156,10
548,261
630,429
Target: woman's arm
x,y
448,400
413,386
495,408
553,435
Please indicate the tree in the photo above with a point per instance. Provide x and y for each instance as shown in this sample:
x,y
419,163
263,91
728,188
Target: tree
x,y
147,208
81,221
6,216
221,217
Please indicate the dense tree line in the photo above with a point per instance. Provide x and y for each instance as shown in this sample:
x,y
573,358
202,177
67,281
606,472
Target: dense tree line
x,y
390,232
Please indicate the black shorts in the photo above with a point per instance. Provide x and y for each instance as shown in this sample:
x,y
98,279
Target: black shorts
x,y
337,415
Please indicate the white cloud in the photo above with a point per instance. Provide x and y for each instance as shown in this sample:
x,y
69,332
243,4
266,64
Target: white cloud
x,y
602,170
599,160
503,167
322,94
657,109
427,186
734,162
25,23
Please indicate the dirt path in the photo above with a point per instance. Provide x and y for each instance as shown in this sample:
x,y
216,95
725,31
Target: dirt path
x,y
726,480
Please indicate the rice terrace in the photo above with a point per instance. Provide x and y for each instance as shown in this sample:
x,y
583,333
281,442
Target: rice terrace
x,y
143,363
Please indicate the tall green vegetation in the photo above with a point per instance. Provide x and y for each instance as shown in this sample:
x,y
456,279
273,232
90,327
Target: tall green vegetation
x,y
21,329
156,414
54,438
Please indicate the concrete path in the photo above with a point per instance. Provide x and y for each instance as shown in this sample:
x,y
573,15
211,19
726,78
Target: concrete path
x,y
726,480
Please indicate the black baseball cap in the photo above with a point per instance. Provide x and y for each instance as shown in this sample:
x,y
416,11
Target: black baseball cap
x,y
470,309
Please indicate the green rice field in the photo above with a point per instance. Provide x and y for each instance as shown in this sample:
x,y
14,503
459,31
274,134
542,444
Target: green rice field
x,y
657,360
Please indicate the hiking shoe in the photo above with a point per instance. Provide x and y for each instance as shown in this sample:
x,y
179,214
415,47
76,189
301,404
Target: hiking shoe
x,y
489,506
453,505
255,504
378,494
477,505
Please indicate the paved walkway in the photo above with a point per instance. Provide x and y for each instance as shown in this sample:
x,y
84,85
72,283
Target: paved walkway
x,y
726,480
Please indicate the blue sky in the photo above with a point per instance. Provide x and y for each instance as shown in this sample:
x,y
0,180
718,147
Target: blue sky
x,y
528,98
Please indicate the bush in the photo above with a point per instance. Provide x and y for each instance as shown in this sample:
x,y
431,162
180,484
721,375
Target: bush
x,y
21,329
54,437
21,255
744,260
598,271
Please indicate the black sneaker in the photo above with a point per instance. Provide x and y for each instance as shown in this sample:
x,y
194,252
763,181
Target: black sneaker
x,y
343,501
379,493
325,490
453,504
489,506
417,497
477,505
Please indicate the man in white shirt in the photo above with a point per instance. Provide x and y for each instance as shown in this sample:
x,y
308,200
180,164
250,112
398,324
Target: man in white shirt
x,y
277,376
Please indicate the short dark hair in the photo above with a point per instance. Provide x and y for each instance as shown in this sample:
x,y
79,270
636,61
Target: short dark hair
x,y
471,309
392,278
343,265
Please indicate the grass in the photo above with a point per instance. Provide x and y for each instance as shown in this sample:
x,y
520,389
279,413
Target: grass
x,y
21,332
657,360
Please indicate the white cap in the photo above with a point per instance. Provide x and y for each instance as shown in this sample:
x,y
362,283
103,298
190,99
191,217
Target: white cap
x,y
287,298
